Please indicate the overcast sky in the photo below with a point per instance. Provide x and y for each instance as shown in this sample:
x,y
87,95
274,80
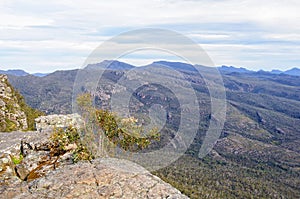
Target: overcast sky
x,y
43,36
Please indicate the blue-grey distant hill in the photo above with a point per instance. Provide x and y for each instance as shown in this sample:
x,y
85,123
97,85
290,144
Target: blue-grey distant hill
x,y
293,71
231,69
14,72
40,74
19,72
110,64
175,65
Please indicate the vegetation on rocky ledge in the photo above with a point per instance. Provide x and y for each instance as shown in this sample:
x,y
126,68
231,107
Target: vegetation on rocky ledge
x,y
64,139
104,130
15,114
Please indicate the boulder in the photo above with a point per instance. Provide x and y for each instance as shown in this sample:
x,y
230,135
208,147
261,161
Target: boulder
x,y
50,122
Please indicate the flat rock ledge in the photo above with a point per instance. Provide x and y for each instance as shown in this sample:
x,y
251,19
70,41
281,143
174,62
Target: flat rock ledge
x,y
100,178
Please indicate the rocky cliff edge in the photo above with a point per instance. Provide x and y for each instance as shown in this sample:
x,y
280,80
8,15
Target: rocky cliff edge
x,y
32,166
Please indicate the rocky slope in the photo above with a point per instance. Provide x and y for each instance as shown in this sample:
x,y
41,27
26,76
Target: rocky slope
x,y
12,117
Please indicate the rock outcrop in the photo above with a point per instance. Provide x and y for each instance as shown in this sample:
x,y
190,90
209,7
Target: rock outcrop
x,y
102,178
49,122
12,117
28,156
32,166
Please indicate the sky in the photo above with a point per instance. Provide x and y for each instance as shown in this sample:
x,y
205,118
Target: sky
x,y
44,36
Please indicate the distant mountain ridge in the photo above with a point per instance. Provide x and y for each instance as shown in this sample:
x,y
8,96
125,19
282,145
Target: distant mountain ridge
x,y
293,71
16,72
19,72
110,64
231,69
40,74
176,65
117,65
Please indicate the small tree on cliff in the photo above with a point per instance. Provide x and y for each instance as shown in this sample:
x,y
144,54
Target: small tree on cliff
x,y
105,131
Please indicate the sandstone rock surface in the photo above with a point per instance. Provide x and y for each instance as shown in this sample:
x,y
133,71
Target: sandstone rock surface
x,y
102,178
42,174
49,122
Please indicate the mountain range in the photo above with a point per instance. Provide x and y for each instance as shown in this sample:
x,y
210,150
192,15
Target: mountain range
x,y
116,65
231,69
258,152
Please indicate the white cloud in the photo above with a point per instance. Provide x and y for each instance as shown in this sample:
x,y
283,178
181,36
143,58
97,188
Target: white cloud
x,y
41,31
18,22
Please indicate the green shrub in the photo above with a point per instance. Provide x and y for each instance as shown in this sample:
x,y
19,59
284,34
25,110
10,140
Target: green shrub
x,y
17,160
125,133
61,138
105,130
